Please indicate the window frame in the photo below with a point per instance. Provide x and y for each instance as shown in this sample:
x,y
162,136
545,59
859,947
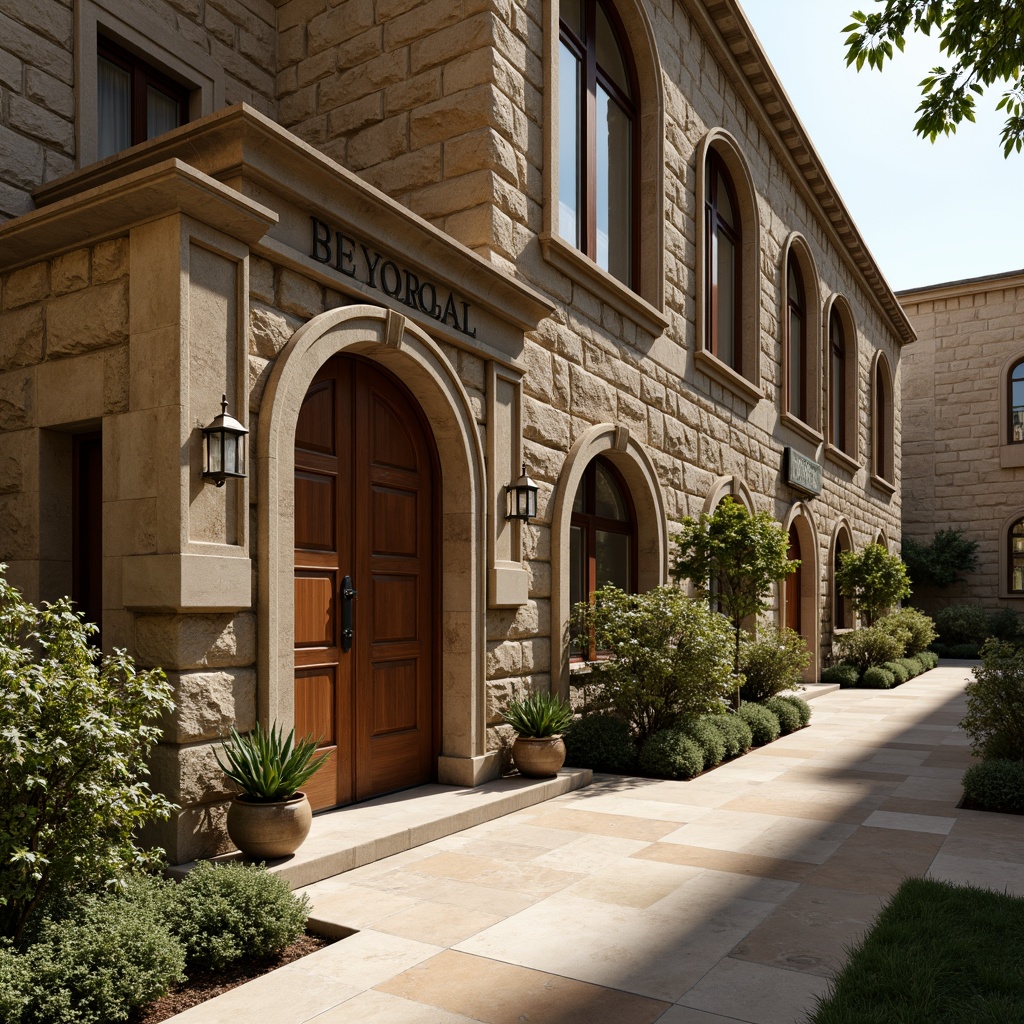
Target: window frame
x,y
1008,419
715,170
837,382
883,440
798,307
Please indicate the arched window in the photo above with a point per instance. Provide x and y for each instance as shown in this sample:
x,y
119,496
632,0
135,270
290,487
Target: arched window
x,y
796,340
837,380
597,138
794,583
839,602
602,535
723,243
1015,559
1016,423
882,449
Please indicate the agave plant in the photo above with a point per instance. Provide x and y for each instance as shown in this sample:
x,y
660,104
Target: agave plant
x,y
537,716
266,767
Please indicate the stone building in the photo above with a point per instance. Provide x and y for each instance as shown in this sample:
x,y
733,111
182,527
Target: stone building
x,y
963,442
415,245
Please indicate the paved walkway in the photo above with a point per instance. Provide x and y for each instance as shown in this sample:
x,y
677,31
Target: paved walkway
x,y
731,898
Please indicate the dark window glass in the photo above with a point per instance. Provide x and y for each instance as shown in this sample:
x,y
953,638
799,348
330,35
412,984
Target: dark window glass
x,y
597,144
135,102
1017,557
883,422
838,601
797,338
1017,403
602,539
837,379
722,253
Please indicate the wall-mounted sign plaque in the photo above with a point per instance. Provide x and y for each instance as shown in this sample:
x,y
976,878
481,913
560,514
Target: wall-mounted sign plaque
x,y
802,473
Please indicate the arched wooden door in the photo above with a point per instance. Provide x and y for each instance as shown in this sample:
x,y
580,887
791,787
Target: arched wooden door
x,y
365,662
793,584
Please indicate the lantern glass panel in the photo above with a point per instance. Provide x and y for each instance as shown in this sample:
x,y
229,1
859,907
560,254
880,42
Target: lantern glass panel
x,y
215,460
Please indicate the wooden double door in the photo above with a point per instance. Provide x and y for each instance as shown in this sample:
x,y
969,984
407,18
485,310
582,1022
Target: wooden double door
x,y
366,579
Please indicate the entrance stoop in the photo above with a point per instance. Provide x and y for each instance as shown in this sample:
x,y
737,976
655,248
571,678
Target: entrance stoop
x,y
349,837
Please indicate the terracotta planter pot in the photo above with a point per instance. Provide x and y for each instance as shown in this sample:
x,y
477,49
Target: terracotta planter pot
x,y
265,831
538,757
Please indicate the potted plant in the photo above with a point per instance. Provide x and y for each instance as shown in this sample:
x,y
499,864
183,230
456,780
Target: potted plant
x,y
271,817
538,720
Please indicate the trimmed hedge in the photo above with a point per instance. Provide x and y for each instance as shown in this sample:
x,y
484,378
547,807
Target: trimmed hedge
x,y
709,738
764,724
735,732
788,716
996,784
843,674
878,678
898,669
600,742
671,754
803,708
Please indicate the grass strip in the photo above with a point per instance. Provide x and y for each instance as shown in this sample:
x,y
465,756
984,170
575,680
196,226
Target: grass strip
x,y
938,954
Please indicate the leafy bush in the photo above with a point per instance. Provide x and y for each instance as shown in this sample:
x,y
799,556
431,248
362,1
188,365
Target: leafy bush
x,y
539,715
941,562
873,579
962,624
877,678
99,964
843,674
927,658
965,651
1004,624
600,742
73,750
916,662
671,754
868,646
709,738
803,708
916,629
670,659
14,984
788,716
996,784
221,914
735,732
772,662
898,669
764,724
995,702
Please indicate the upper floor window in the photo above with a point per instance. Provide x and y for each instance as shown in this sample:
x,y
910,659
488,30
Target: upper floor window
x,y
882,421
1016,424
723,242
135,102
1015,583
837,379
597,138
796,307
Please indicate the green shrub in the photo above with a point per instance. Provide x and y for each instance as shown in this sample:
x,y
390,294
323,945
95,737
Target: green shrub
x,y
843,674
709,738
221,914
868,646
877,678
671,656
788,716
98,965
932,658
995,702
916,628
803,708
911,666
898,669
671,754
764,724
14,984
969,652
538,715
74,745
996,784
771,663
1004,624
735,732
962,624
600,742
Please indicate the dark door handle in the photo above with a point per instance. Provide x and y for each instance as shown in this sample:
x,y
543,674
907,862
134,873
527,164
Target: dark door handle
x,y
347,597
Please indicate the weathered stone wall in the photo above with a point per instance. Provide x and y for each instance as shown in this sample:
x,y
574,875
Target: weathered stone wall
x,y
955,428
38,73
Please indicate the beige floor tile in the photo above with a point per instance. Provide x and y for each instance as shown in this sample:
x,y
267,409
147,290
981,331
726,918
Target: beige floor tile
x,y
687,1015
437,923
529,878
501,993
725,860
756,993
811,931
451,891
357,907
723,830
911,822
816,810
633,883
637,805
726,884
998,875
620,825
375,1007
910,805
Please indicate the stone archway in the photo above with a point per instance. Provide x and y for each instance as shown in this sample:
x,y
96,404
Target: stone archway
x,y
805,590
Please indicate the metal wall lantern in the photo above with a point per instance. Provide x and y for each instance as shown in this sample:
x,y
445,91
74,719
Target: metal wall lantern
x,y
522,498
225,447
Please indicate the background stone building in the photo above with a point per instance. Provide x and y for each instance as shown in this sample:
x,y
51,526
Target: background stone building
x,y
963,441
415,245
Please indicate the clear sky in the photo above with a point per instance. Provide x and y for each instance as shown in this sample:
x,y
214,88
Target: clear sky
x,y
929,213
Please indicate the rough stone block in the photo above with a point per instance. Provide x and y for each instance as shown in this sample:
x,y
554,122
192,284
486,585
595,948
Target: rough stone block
x,y
408,171
378,143
298,295
269,330
110,260
29,284
16,399
196,641
208,704
21,337
88,319
70,272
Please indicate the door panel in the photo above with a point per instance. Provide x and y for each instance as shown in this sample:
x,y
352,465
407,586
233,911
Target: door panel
x,y
793,587
364,507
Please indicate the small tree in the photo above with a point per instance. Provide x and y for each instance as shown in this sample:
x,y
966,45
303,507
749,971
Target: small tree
x,y
73,749
668,659
734,558
873,579
943,561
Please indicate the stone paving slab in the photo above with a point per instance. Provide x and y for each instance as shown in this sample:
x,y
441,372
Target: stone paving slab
x,y
731,899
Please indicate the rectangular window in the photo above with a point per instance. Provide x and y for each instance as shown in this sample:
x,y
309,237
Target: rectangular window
x,y
568,145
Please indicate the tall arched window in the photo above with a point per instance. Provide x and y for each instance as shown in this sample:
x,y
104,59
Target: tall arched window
x,y
723,243
882,420
839,602
796,339
837,380
1016,384
793,584
1015,559
597,138
602,535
